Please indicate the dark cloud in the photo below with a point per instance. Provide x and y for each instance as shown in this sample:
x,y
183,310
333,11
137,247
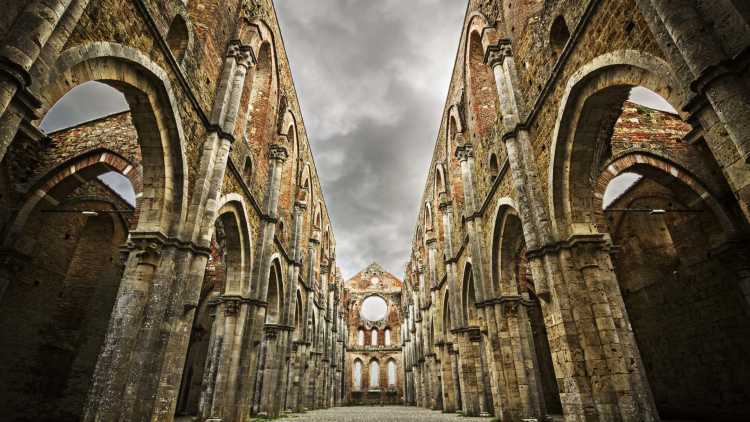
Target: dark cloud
x,y
372,78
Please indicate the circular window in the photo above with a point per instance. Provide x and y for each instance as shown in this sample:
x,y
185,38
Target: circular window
x,y
374,308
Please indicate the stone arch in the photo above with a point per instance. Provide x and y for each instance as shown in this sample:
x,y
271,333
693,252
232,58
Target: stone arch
x,y
275,292
374,336
589,96
57,183
662,169
469,309
299,318
455,124
494,167
660,253
505,208
306,193
428,216
264,91
155,116
447,319
439,179
234,217
481,91
360,336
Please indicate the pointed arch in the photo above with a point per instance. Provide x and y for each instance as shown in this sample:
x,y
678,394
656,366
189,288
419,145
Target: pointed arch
x,y
275,294
234,218
481,99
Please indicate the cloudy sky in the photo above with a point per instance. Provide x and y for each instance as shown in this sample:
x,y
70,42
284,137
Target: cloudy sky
x,y
372,77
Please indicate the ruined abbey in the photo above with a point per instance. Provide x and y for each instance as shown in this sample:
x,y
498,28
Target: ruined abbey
x,y
531,291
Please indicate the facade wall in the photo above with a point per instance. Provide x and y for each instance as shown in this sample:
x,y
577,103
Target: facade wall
x,y
373,282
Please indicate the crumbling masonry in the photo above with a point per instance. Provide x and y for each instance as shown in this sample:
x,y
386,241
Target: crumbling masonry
x,y
530,297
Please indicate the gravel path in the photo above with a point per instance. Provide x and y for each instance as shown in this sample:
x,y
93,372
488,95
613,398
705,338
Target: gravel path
x,y
376,414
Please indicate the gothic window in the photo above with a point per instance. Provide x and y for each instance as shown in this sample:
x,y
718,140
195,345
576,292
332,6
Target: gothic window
x,y
374,375
391,373
559,34
177,37
357,375
247,169
374,339
360,337
387,336
494,168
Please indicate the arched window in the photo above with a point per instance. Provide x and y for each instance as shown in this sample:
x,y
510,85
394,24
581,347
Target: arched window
x,y
357,375
387,336
178,37
247,169
494,168
559,34
374,375
374,339
360,337
391,373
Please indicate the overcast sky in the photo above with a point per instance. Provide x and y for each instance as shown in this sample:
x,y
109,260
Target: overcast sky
x,y
372,77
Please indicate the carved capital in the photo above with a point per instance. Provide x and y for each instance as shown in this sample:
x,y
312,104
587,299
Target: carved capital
x,y
233,48
496,54
245,56
277,152
464,152
148,251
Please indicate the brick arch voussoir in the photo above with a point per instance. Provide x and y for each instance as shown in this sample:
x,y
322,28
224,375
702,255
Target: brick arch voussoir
x,y
56,183
635,162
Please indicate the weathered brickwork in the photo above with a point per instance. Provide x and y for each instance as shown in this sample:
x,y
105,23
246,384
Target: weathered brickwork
x,y
527,294
217,295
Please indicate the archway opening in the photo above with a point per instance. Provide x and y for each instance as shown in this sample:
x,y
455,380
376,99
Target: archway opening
x,y
273,309
687,316
512,267
56,309
224,272
673,255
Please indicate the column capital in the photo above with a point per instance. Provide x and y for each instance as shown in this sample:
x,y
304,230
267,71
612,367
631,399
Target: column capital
x,y
277,152
464,152
496,54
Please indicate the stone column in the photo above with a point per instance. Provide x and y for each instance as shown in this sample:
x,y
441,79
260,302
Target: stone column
x,y
147,258
251,375
21,48
717,85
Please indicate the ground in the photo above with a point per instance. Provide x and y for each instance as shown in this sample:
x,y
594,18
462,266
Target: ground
x,y
376,413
